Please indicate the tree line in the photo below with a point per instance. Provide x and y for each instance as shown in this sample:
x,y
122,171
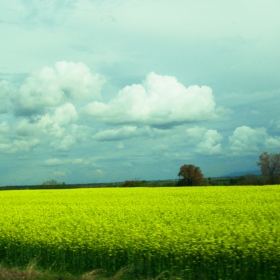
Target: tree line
x,y
191,175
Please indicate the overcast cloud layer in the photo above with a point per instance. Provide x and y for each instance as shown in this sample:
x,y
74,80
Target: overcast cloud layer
x,y
105,91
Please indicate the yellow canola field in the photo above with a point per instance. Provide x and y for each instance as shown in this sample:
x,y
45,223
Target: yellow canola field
x,y
220,231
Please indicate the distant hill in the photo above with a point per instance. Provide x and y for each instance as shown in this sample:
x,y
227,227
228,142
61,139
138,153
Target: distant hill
x,y
242,173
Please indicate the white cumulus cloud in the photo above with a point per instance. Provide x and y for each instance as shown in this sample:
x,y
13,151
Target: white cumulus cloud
x,y
247,140
159,100
64,144
195,134
207,142
57,129
5,89
124,132
127,132
51,87
50,124
18,146
65,114
210,143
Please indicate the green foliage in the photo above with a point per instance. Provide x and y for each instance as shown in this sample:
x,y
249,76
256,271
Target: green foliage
x,y
245,180
132,183
194,233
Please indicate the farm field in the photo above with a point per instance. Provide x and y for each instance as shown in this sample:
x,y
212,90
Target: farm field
x,y
190,232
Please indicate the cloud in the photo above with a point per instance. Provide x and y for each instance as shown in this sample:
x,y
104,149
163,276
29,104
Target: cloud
x,y
61,173
64,144
24,128
272,143
161,147
65,114
88,161
5,89
52,87
77,82
207,142
53,162
122,133
274,126
120,146
4,128
58,129
210,143
195,134
13,139
18,146
255,112
99,171
159,100
3,109
246,140
77,161
48,124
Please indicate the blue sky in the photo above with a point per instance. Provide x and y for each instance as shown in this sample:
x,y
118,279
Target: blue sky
x,y
105,91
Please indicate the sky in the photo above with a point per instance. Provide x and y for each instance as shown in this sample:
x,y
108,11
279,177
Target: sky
x,y
106,91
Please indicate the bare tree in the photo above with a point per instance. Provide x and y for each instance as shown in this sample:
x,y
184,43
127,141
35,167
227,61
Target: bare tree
x,y
51,183
270,166
192,175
